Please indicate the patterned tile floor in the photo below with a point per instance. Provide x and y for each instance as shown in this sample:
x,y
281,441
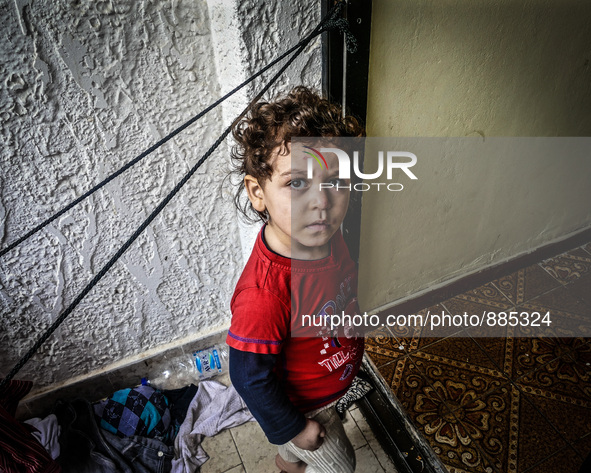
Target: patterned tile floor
x,y
507,404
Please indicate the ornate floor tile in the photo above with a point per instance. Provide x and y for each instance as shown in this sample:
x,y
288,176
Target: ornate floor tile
x,y
446,403
497,350
480,464
557,313
463,350
472,416
382,347
491,339
581,288
583,446
403,377
405,334
537,437
526,284
568,266
412,339
531,354
425,335
565,460
487,294
518,403
561,299
480,316
557,411
482,381
566,378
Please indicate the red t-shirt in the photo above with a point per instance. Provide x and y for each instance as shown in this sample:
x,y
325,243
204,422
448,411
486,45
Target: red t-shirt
x,y
314,367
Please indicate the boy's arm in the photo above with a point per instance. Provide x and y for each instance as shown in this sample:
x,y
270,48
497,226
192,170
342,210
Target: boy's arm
x,y
255,341
253,377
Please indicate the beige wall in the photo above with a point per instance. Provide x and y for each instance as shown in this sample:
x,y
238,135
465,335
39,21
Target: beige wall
x,y
481,69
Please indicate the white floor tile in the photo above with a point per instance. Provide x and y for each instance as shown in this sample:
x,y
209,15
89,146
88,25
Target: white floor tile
x,y
222,452
367,461
238,469
258,455
352,430
381,456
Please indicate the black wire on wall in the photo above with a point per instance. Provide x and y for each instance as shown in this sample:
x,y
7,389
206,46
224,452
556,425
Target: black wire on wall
x,y
330,21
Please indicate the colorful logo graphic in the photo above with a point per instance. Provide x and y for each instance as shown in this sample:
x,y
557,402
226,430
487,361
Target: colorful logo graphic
x,y
388,163
317,155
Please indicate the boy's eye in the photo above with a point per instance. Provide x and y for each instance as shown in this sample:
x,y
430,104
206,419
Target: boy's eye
x,y
335,181
297,183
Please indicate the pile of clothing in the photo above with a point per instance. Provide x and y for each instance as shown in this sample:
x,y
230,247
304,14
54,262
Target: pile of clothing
x,y
135,430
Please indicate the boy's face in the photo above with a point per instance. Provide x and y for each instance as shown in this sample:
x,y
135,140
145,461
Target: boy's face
x,y
303,217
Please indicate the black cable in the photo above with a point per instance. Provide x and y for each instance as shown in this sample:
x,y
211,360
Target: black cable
x,y
343,26
328,22
94,281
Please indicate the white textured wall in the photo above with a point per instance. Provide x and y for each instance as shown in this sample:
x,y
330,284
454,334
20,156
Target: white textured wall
x,y
480,69
87,86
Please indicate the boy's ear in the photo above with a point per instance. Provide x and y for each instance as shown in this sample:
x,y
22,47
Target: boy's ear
x,y
255,193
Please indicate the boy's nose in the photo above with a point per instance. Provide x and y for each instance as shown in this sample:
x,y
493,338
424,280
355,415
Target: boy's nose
x,y
320,199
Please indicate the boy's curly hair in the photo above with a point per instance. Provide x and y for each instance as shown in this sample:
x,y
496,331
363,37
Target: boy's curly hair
x,y
271,125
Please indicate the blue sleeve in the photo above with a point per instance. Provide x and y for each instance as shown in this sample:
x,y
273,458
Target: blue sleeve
x,y
253,377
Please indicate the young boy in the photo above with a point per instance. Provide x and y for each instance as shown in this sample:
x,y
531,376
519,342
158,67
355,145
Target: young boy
x,y
299,265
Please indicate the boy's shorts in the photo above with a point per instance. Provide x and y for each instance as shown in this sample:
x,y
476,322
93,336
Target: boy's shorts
x,y
336,454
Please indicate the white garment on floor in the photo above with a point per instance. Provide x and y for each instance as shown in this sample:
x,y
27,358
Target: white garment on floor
x,y
214,408
48,435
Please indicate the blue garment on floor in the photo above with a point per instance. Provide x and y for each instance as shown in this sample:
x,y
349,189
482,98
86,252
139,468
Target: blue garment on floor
x,y
82,446
85,448
180,400
143,454
142,411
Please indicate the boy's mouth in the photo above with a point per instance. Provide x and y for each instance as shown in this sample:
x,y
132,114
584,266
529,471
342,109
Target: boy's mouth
x,y
318,225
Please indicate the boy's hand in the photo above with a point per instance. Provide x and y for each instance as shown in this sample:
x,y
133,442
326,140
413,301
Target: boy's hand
x,y
311,437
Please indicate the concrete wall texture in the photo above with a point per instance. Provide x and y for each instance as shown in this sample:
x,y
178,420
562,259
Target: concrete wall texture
x,y
86,86
474,69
